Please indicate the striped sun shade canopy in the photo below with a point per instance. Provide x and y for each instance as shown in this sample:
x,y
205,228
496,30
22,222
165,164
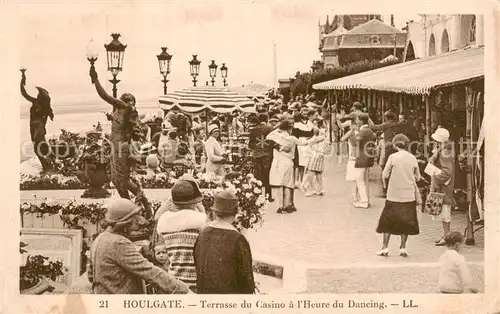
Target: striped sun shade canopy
x,y
419,77
196,99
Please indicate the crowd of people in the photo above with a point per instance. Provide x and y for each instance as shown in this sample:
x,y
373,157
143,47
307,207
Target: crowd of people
x,y
289,143
196,252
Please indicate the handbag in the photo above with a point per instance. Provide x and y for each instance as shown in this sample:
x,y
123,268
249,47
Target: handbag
x,y
434,203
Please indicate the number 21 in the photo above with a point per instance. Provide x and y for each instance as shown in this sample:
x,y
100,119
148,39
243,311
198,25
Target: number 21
x,y
103,304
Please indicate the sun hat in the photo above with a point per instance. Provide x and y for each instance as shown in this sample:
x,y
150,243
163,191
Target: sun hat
x,y
441,135
213,128
226,202
121,211
185,192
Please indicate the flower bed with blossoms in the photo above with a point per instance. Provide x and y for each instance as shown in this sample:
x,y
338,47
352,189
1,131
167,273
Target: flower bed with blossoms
x,y
252,202
61,182
75,214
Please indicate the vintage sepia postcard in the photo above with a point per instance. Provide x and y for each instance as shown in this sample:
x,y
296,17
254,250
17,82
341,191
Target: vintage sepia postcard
x,y
250,156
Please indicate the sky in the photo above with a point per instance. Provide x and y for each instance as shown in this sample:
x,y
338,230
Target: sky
x,y
53,42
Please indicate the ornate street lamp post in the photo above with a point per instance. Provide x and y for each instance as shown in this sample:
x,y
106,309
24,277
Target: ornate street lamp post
x,y
194,67
164,62
115,52
223,73
213,71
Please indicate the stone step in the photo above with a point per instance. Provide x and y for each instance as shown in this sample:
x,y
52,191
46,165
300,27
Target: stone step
x,y
421,278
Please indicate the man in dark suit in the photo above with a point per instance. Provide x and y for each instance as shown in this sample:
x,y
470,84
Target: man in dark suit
x,y
262,151
390,128
410,131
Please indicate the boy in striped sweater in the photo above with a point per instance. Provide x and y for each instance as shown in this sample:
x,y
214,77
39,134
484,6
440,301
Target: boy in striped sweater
x,y
179,230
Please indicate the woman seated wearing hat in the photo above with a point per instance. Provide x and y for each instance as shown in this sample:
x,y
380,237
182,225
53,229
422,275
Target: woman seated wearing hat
x,y
116,266
215,153
179,230
222,255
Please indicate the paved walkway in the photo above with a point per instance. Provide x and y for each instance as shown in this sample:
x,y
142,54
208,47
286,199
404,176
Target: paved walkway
x,y
328,231
336,243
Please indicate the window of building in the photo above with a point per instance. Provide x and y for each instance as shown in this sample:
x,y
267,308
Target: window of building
x,y
472,30
339,41
445,42
374,40
432,46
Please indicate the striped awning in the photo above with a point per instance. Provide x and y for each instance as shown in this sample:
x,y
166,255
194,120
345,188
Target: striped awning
x,y
419,76
196,99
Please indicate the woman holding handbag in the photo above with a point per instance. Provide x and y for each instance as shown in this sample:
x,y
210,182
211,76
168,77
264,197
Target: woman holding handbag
x,y
399,215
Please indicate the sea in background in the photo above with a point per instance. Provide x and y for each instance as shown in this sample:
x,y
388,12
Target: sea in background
x,y
73,117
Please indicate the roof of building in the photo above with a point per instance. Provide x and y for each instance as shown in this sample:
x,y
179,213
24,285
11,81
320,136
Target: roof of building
x,y
337,32
419,76
374,27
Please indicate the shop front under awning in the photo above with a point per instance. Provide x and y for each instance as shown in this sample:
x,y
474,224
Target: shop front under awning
x,y
418,77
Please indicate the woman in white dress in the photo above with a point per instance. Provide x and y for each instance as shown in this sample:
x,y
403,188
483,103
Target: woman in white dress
x,y
281,175
215,154
352,173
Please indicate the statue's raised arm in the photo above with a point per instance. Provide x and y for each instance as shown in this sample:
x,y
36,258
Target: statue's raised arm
x,y
117,103
23,88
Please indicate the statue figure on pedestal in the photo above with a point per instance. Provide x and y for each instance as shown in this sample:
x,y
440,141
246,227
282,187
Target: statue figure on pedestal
x,y
125,127
39,112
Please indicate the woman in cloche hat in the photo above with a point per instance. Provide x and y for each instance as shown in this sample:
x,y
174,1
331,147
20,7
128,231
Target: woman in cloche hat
x,y
222,255
116,267
215,153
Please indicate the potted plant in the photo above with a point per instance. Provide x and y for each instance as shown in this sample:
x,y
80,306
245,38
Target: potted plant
x,y
36,270
95,160
66,145
251,202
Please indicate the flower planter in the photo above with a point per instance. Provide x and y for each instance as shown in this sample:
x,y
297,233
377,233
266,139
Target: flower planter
x,y
41,287
97,176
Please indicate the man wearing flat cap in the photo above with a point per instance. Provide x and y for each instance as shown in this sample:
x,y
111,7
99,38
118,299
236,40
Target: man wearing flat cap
x,y
222,255
116,266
